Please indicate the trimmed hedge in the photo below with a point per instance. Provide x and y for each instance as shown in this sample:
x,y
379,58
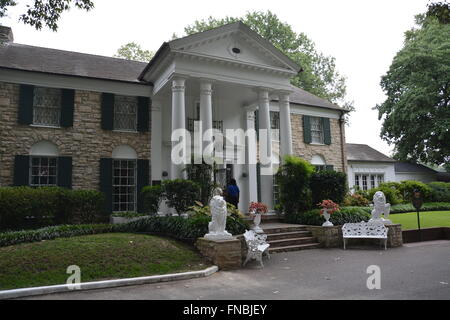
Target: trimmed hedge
x,y
408,207
344,215
152,196
330,185
440,191
49,233
27,208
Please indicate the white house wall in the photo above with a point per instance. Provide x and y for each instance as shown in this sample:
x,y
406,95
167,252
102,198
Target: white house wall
x,y
370,168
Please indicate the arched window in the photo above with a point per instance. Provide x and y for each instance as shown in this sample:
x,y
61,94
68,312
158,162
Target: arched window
x,y
319,162
124,179
43,164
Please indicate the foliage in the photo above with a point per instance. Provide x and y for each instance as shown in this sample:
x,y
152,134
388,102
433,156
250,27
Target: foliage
x,y
48,233
25,207
181,194
257,207
427,206
416,113
329,205
314,218
133,51
201,174
327,184
46,12
355,200
152,196
440,10
319,75
293,179
407,188
440,191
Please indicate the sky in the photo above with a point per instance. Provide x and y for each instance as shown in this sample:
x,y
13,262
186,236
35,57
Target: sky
x,y
362,35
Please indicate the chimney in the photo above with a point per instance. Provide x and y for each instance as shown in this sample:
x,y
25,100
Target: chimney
x,y
6,35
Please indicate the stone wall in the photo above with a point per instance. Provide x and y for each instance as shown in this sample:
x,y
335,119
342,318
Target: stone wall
x,y
226,254
332,153
331,237
85,142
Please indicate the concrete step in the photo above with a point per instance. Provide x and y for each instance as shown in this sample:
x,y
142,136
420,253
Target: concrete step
x,y
294,247
283,229
288,235
291,242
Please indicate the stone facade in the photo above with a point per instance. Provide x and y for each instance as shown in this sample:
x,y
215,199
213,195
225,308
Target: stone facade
x,y
334,154
85,142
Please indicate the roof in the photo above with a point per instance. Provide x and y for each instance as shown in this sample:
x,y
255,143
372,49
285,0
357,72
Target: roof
x,y
412,168
362,152
53,61
167,47
300,96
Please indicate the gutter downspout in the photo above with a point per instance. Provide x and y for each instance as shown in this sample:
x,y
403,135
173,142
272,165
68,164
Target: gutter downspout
x,y
341,129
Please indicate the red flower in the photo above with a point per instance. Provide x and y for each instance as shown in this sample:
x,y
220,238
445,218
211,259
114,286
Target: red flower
x,y
329,205
257,207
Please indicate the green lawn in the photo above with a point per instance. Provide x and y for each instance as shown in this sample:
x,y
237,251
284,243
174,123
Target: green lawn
x,y
100,257
428,219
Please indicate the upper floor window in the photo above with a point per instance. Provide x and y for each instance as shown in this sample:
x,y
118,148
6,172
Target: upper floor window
x,y
46,106
125,113
317,134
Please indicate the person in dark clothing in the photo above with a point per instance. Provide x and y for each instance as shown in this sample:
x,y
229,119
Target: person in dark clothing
x,y
232,193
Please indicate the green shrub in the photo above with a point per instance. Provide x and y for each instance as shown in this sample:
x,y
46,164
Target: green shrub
x,y
48,233
293,179
355,200
128,214
440,191
181,194
28,208
314,218
201,174
407,189
330,185
152,196
427,206
392,195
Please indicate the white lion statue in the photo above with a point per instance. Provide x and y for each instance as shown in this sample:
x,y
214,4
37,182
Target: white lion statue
x,y
219,214
380,207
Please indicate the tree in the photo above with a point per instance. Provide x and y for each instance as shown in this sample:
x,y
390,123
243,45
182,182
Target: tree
x,y
416,113
133,51
45,12
319,75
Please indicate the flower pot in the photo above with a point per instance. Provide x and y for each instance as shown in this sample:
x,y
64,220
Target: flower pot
x,y
326,216
256,223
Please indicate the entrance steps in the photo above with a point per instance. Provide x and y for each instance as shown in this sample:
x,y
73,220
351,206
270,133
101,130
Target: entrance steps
x,y
285,237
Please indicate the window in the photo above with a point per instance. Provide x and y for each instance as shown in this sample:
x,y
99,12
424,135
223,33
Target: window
x,y
317,135
46,106
368,181
275,125
43,171
124,185
125,113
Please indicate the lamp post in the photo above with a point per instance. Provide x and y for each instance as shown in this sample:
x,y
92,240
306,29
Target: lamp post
x,y
417,202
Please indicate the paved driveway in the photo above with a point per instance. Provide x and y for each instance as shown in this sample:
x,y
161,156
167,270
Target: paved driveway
x,y
416,271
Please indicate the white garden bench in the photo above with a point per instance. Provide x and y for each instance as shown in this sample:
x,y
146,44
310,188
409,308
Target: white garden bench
x,y
362,230
257,246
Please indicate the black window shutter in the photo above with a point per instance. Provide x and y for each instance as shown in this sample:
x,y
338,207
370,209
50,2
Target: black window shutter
x,y
326,131
26,97
106,182
21,171
143,114
67,106
65,172
307,129
107,111
143,179
329,168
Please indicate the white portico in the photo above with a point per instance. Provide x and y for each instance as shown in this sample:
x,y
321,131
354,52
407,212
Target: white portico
x,y
221,77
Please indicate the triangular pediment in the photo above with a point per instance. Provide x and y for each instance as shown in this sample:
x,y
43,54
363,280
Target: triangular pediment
x,y
235,42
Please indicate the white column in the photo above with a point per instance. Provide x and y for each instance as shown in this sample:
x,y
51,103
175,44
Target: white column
x,y
265,156
206,111
252,150
156,140
285,124
178,120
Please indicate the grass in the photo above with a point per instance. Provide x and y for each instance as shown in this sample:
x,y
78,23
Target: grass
x,y
428,219
100,257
